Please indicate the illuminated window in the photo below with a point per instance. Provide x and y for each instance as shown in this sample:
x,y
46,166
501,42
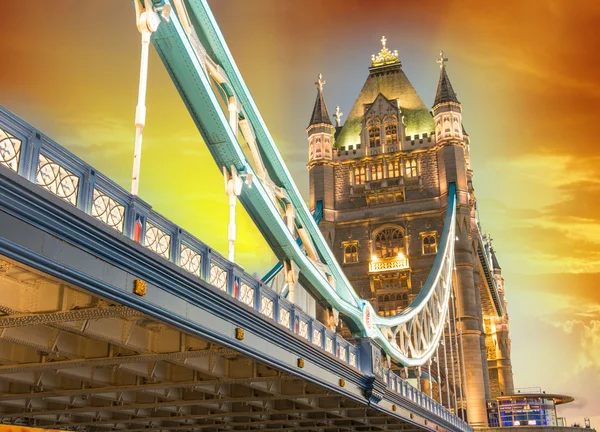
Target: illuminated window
x,y
374,128
389,242
391,134
350,252
359,175
376,172
429,244
391,304
410,168
393,169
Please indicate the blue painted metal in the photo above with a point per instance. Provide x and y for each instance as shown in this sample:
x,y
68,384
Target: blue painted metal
x,y
187,70
317,215
49,234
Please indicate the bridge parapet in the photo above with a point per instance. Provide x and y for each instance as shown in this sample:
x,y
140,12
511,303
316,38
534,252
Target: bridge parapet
x,y
37,158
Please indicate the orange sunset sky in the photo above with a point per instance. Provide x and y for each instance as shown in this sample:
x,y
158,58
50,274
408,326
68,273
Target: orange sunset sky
x,y
526,72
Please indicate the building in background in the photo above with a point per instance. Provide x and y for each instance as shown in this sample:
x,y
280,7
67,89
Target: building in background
x,y
381,179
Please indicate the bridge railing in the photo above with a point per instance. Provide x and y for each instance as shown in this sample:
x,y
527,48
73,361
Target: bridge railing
x,y
42,161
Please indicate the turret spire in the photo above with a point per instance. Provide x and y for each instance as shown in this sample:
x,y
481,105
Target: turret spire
x,y
445,92
320,115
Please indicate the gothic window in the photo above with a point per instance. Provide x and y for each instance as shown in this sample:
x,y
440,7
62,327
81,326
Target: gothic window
x,y
391,304
429,244
359,175
391,134
389,242
410,168
350,252
376,172
374,128
394,169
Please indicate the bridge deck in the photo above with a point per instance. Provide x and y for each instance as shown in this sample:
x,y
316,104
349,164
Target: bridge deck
x,y
79,348
78,360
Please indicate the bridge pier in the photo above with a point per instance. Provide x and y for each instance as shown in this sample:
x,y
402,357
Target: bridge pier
x,y
468,316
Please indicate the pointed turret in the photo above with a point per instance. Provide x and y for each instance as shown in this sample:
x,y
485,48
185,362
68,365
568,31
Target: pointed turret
x,y
495,260
447,110
320,152
320,115
445,92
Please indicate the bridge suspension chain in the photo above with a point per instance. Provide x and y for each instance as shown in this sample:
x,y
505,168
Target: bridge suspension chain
x,y
411,337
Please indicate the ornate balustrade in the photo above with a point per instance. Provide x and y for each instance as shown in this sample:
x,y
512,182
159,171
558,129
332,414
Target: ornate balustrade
x,y
40,160
388,264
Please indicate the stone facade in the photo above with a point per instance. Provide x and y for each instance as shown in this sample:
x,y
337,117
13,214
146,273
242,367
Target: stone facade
x,y
384,194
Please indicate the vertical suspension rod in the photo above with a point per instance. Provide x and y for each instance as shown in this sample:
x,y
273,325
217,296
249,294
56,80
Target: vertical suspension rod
x,y
439,375
147,21
450,336
449,405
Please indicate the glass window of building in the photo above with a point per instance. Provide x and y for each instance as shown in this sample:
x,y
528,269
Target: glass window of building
x,y
374,128
429,244
410,168
389,242
391,134
350,252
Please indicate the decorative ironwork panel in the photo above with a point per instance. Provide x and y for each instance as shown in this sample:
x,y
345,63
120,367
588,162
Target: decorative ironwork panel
x,y
329,345
266,307
190,260
218,277
247,295
284,317
383,264
56,179
317,337
303,329
10,150
393,384
352,359
157,240
343,352
107,210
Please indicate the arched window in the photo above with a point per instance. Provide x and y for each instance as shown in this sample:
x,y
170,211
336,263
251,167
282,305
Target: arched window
x,y
376,172
374,128
389,242
410,168
429,244
391,304
359,175
391,134
394,169
351,253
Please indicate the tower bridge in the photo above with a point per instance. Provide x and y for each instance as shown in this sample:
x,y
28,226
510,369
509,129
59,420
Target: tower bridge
x,y
385,311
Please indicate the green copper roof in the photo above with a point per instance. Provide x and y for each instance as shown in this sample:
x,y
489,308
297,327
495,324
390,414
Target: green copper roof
x,y
393,84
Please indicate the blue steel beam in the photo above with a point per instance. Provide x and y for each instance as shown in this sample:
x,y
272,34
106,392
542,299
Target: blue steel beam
x,y
187,69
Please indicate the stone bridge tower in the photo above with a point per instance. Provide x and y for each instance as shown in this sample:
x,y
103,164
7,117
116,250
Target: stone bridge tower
x,y
382,180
